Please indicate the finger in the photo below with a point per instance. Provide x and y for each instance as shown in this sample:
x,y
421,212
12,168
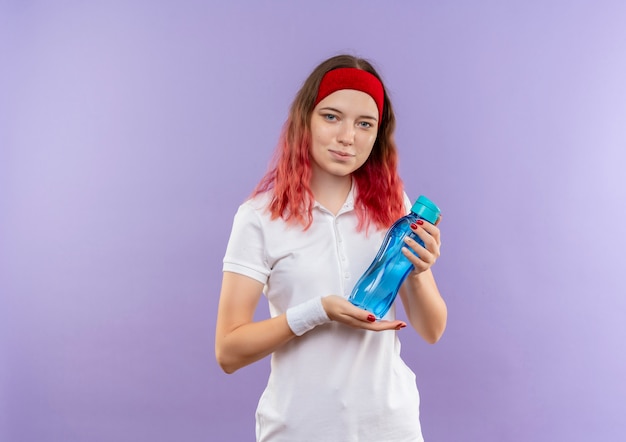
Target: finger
x,y
389,325
423,253
358,322
352,314
432,232
431,244
419,262
361,314
431,241
430,228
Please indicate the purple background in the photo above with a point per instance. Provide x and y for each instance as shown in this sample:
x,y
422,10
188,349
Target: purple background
x,y
131,131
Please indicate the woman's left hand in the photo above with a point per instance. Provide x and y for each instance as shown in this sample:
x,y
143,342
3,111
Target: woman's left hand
x,y
426,255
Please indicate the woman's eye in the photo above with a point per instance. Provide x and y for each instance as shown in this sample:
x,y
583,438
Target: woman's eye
x,y
330,117
365,124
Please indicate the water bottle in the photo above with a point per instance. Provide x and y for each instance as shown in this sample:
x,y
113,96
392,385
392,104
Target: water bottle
x,y
376,290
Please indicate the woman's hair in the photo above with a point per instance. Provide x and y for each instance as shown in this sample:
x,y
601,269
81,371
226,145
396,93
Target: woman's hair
x,y
379,196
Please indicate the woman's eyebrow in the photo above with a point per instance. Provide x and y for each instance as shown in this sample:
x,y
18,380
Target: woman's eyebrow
x,y
328,108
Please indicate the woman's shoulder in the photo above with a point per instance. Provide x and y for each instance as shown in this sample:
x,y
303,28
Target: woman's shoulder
x,y
256,205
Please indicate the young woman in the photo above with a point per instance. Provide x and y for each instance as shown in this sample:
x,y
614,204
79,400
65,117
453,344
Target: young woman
x,y
311,228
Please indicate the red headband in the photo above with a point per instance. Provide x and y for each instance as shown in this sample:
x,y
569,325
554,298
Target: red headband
x,y
352,78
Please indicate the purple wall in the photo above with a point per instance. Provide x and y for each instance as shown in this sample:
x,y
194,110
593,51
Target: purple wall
x,y
131,131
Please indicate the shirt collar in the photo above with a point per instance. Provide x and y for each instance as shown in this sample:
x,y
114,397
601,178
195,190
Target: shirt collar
x,y
347,206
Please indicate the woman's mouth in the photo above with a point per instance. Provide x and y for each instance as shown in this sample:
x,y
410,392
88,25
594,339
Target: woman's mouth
x,y
341,155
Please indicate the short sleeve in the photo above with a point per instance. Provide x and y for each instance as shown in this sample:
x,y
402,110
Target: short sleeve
x,y
245,252
407,203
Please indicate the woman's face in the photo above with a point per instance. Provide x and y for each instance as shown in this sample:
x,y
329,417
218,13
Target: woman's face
x,y
343,131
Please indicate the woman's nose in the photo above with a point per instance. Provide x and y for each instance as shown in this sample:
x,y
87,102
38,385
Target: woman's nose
x,y
346,134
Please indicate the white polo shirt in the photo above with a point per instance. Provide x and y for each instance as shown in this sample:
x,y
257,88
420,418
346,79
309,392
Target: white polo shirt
x,y
334,383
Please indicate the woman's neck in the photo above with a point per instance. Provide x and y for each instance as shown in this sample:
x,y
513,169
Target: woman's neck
x,y
331,191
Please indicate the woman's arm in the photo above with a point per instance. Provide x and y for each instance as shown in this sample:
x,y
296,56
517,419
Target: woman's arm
x,y
238,340
423,304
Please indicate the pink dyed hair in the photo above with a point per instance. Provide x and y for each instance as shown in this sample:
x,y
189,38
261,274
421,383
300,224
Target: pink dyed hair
x,y
379,197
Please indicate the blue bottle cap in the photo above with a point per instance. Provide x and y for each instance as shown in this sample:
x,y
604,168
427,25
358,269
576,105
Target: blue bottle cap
x,y
425,208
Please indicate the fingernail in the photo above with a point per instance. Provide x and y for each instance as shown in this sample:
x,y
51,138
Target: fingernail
x,y
371,318
414,226
401,326
420,222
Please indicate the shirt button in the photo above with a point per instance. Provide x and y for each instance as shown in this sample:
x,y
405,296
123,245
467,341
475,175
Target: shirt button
x,y
346,275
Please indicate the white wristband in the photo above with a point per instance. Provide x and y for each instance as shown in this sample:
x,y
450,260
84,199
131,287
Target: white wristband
x,y
306,316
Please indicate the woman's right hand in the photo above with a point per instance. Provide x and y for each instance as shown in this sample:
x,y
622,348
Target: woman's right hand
x,y
341,310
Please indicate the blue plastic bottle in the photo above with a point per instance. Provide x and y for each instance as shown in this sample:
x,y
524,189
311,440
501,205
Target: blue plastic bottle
x,y
376,290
